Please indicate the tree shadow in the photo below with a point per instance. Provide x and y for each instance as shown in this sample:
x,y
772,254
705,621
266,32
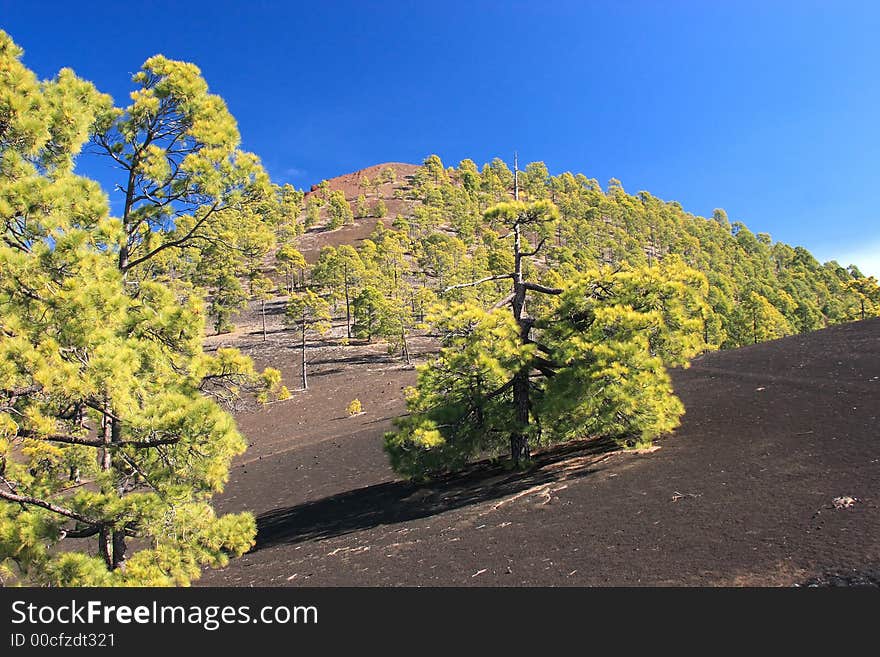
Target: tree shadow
x,y
360,359
394,502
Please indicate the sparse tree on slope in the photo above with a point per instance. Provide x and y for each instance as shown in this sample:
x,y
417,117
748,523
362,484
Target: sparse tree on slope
x,y
597,367
867,294
339,210
341,271
309,313
516,217
290,263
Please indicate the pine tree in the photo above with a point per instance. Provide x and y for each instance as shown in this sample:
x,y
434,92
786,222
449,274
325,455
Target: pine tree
x,y
290,263
361,209
186,183
309,313
597,367
112,420
518,217
341,271
313,211
372,314
867,294
260,288
756,320
339,210
388,176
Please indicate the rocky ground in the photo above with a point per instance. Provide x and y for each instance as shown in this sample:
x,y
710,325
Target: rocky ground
x,y
772,479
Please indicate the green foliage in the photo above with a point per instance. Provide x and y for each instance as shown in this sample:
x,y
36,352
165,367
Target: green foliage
x,y
371,313
313,211
361,208
460,406
388,176
339,210
184,180
599,369
113,422
867,296
290,262
308,311
756,320
98,360
612,337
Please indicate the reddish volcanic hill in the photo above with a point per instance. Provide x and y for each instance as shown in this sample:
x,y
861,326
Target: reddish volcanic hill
x,y
349,183
316,238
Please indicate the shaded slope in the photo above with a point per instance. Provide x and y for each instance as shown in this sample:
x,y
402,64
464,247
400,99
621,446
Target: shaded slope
x,y
741,494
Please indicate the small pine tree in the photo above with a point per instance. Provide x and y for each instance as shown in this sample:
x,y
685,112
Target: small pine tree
x,y
361,209
313,211
339,210
354,408
309,313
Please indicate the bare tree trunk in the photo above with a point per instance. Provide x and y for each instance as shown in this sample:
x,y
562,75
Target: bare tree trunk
x,y
405,347
263,315
110,433
519,440
105,546
305,381
119,549
347,304
106,438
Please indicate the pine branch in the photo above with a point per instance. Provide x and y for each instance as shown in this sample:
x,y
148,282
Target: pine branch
x,y
174,243
537,248
96,442
54,508
503,302
499,277
507,386
542,288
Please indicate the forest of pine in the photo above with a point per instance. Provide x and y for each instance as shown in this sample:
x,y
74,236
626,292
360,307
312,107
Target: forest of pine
x,y
557,307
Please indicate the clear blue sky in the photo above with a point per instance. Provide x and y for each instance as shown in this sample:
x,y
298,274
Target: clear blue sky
x,y
770,110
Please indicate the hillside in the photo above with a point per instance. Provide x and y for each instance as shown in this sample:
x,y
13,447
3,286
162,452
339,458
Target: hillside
x,y
759,289
742,494
349,184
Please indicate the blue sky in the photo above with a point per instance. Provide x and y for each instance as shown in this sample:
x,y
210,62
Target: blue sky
x,y
767,109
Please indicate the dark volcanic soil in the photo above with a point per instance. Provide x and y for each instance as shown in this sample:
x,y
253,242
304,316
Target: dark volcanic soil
x,y
746,492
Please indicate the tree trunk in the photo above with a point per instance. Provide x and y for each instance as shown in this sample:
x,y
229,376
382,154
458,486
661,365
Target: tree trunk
x,y
106,438
519,440
305,381
119,549
263,316
105,546
405,348
347,307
